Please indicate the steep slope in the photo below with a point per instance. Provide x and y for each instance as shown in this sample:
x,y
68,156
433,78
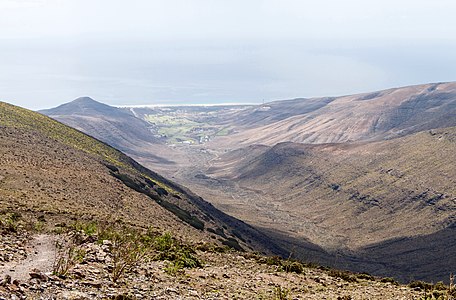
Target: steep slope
x,y
351,199
379,203
100,213
371,116
50,168
114,126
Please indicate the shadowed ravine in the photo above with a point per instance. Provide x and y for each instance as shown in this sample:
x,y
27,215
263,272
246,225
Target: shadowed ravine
x,y
347,181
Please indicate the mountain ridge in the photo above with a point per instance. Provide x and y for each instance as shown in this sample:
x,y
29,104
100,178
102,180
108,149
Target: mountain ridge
x,y
362,197
113,125
30,131
82,105
368,116
268,167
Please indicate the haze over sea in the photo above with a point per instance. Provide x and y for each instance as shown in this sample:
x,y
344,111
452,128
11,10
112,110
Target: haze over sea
x,y
181,52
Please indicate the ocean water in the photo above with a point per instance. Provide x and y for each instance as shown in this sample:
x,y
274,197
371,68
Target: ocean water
x,y
44,73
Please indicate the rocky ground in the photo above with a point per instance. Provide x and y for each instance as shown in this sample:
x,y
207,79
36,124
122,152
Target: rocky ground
x,y
222,275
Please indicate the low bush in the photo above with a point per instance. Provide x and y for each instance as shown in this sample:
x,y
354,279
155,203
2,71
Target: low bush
x,y
293,267
365,276
281,293
389,280
67,258
233,243
128,247
180,255
344,275
9,222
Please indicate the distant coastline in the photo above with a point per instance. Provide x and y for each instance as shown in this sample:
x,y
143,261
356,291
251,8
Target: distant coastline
x,y
185,105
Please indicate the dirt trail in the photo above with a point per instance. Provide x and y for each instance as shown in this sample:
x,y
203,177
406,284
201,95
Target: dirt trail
x,y
41,254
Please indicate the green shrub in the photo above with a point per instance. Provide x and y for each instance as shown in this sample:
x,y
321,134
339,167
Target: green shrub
x,y
420,285
389,280
273,261
347,276
281,293
67,258
233,243
127,252
365,276
293,267
10,222
180,255
89,228
164,242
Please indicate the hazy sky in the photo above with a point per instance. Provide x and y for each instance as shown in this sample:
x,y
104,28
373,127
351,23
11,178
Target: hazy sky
x,y
209,51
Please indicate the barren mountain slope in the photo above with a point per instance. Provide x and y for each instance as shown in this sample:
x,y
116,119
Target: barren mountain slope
x,y
52,169
359,196
114,126
349,198
110,216
371,116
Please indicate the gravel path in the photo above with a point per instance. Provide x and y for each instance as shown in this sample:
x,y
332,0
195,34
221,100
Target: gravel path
x,y
41,254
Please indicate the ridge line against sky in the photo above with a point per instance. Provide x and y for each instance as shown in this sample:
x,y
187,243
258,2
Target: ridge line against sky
x,y
201,51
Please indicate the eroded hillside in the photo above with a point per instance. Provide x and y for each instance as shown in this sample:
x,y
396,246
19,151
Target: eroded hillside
x,y
358,197
341,181
80,220
370,116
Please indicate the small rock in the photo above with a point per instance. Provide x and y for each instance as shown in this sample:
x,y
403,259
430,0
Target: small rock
x,y
90,239
171,290
95,284
37,274
6,280
78,274
54,278
73,295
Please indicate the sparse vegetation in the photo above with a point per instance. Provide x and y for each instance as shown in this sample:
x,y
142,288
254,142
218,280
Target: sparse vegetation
x,y
179,255
143,188
128,247
124,250
345,275
285,265
9,222
281,293
389,280
127,252
232,243
89,228
69,256
437,291
293,266
365,276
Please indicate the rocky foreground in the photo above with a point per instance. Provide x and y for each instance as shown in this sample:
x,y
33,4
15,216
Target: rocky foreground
x,y
88,266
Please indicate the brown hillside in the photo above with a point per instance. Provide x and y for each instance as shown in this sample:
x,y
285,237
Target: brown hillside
x,y
371,116
52,169
59,186
359,197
